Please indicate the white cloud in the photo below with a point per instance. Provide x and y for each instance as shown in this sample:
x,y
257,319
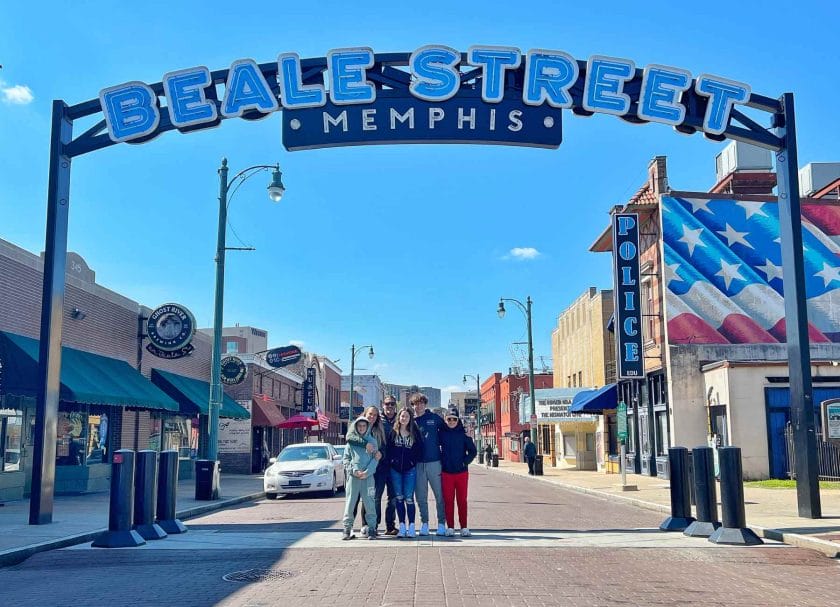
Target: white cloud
x,y
297,342
522,253
18,94
454,388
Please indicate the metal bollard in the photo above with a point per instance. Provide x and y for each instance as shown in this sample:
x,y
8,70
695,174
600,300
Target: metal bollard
x,y
680,499
121,507
145,496
734,530
706,493
167,493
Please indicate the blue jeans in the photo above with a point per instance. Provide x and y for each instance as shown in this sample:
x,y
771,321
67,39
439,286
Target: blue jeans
x,y
404,483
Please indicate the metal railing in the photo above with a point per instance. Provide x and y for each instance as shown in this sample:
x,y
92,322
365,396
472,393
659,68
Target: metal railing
x,y
828,457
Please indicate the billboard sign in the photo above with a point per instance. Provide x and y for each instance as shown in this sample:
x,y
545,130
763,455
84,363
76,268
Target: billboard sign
x,y
282,357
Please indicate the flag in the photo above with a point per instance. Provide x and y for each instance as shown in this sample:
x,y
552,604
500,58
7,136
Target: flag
x,y
323,420
723,271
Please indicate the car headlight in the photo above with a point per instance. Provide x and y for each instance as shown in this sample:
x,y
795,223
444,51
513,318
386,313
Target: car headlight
x,y
323,470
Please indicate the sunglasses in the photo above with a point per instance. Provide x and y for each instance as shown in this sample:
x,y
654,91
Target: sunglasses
x,y
452,419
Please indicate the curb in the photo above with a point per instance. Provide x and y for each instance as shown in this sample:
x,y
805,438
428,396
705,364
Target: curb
x,y
829,549
14,556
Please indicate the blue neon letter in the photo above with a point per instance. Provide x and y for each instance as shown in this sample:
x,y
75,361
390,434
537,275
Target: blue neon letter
x,y
627,276
723,95
436,77
631,353
627,250
625,224
629,301
130,109
629,329
494,60
293,94
660,97
605,78
186,102
548,77
247,89
347,76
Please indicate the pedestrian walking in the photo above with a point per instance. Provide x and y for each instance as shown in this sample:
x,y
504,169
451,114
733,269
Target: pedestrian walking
x,y
488,454
405,450
457,453
530,454
359,468
389,417
377,430
428,471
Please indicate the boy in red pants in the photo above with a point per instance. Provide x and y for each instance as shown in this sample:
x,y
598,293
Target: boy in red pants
x,y
457,453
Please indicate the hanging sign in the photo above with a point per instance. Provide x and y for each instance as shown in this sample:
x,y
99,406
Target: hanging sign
x,y
282,357
233,370
170,329
627,299
309,391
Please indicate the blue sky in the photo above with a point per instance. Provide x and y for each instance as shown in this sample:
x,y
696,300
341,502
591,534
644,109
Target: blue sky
x,y
404,247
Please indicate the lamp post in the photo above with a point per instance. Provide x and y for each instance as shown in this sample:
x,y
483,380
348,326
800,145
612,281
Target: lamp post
x,y
353,351
478,402
275,193
526,309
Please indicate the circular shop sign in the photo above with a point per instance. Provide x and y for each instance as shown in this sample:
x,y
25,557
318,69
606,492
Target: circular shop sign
x,y
171,327
233,370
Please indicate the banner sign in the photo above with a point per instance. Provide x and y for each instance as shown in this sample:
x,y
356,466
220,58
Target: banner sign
x,y
627,298
170,329
490,94
309,391
233,370
282,357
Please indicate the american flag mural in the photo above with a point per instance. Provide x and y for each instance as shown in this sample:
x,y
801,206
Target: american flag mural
x,y
722,271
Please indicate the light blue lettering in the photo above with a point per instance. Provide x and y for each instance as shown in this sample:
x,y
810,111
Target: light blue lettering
x,y
627,250
629,328
627,279
631,353
494,60
293,93
185,97
625,224
630,301
247,89
348,83
548,77
131,111
661,88
605,78
436,77
723,95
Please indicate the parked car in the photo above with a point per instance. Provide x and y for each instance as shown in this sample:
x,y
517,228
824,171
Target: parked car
x,y
339,449
303,468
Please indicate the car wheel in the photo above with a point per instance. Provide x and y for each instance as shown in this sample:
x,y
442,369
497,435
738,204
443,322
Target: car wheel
x,y
271,496
334,491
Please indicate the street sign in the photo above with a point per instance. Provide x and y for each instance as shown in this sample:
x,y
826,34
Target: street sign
x,y
621,420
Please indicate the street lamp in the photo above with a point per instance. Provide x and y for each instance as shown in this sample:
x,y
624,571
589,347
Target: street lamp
x,y
353,351
478,402
275,193
526,309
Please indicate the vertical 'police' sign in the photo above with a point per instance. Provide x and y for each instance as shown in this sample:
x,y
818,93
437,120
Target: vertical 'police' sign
x,y
628,313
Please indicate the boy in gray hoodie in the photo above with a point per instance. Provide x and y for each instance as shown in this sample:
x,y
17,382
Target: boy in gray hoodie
x,y
359,468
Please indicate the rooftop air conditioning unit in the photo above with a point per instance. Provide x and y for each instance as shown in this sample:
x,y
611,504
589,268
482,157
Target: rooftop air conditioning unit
x,y
815,176
739,156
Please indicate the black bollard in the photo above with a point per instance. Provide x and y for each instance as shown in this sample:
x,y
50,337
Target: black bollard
x,y
145,496
680,500
734,530
121,508
705,492
481,457
167,493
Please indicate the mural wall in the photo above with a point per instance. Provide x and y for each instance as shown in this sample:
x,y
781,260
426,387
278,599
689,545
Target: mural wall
x,y
722,267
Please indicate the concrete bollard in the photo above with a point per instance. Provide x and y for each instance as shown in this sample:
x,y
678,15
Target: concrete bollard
x,y
734,530
167,493
705,492
121,507
145,496
680,499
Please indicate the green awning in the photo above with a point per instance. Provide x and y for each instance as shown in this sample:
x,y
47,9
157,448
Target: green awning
x,y
193,395
86,378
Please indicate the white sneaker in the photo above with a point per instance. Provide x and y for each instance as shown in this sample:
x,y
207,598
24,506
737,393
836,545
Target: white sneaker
x,y
465,532
441,530
411,532
450,532
401,532
424,529
364,531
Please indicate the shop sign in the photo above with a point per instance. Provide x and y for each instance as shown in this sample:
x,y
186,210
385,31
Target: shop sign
x,y
831,419
233,370
170,329
621,421
282,357
235,434
627,300
309,391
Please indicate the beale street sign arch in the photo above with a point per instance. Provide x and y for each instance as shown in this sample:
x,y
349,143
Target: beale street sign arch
x,y
435,94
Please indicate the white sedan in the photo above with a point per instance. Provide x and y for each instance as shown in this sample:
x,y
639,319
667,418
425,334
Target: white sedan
x,y
303,468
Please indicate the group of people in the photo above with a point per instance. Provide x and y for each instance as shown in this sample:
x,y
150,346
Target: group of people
x,y
405,453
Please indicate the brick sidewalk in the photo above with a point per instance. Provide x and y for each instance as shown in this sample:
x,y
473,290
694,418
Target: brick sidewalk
x,y
771,513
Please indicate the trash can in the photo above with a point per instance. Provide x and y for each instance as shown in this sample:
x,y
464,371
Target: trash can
x,y
206,479
495,460
481,457
538,465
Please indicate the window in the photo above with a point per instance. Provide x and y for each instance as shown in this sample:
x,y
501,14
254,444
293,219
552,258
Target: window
x,y
70,438
580,378
10,439
612,434
647,310
97,439
231,347
662,438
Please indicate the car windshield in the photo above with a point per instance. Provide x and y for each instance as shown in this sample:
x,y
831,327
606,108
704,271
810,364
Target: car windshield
x,y
302,454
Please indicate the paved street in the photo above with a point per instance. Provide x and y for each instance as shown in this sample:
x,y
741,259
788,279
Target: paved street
x,y
533,544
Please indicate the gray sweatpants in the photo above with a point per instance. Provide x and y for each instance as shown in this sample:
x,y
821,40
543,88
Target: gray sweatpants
x,y
360,489
428,473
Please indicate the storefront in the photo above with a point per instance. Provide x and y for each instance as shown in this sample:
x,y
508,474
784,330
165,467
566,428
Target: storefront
x,y
564,438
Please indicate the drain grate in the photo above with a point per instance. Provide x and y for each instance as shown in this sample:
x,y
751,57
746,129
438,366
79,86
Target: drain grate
x,y
257,575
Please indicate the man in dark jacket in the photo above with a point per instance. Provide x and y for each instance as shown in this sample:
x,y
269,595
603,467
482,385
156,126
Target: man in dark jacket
x,y
457,453
530,454
389,415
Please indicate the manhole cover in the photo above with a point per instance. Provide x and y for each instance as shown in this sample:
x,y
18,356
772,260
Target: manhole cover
x,y
257,575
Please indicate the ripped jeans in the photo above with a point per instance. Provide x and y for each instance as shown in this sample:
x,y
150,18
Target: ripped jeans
x,y
404,483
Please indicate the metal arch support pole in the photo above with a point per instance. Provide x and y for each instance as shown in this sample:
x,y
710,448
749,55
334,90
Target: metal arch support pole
x,y
796,314
52,305
215,404
531,376
352,372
